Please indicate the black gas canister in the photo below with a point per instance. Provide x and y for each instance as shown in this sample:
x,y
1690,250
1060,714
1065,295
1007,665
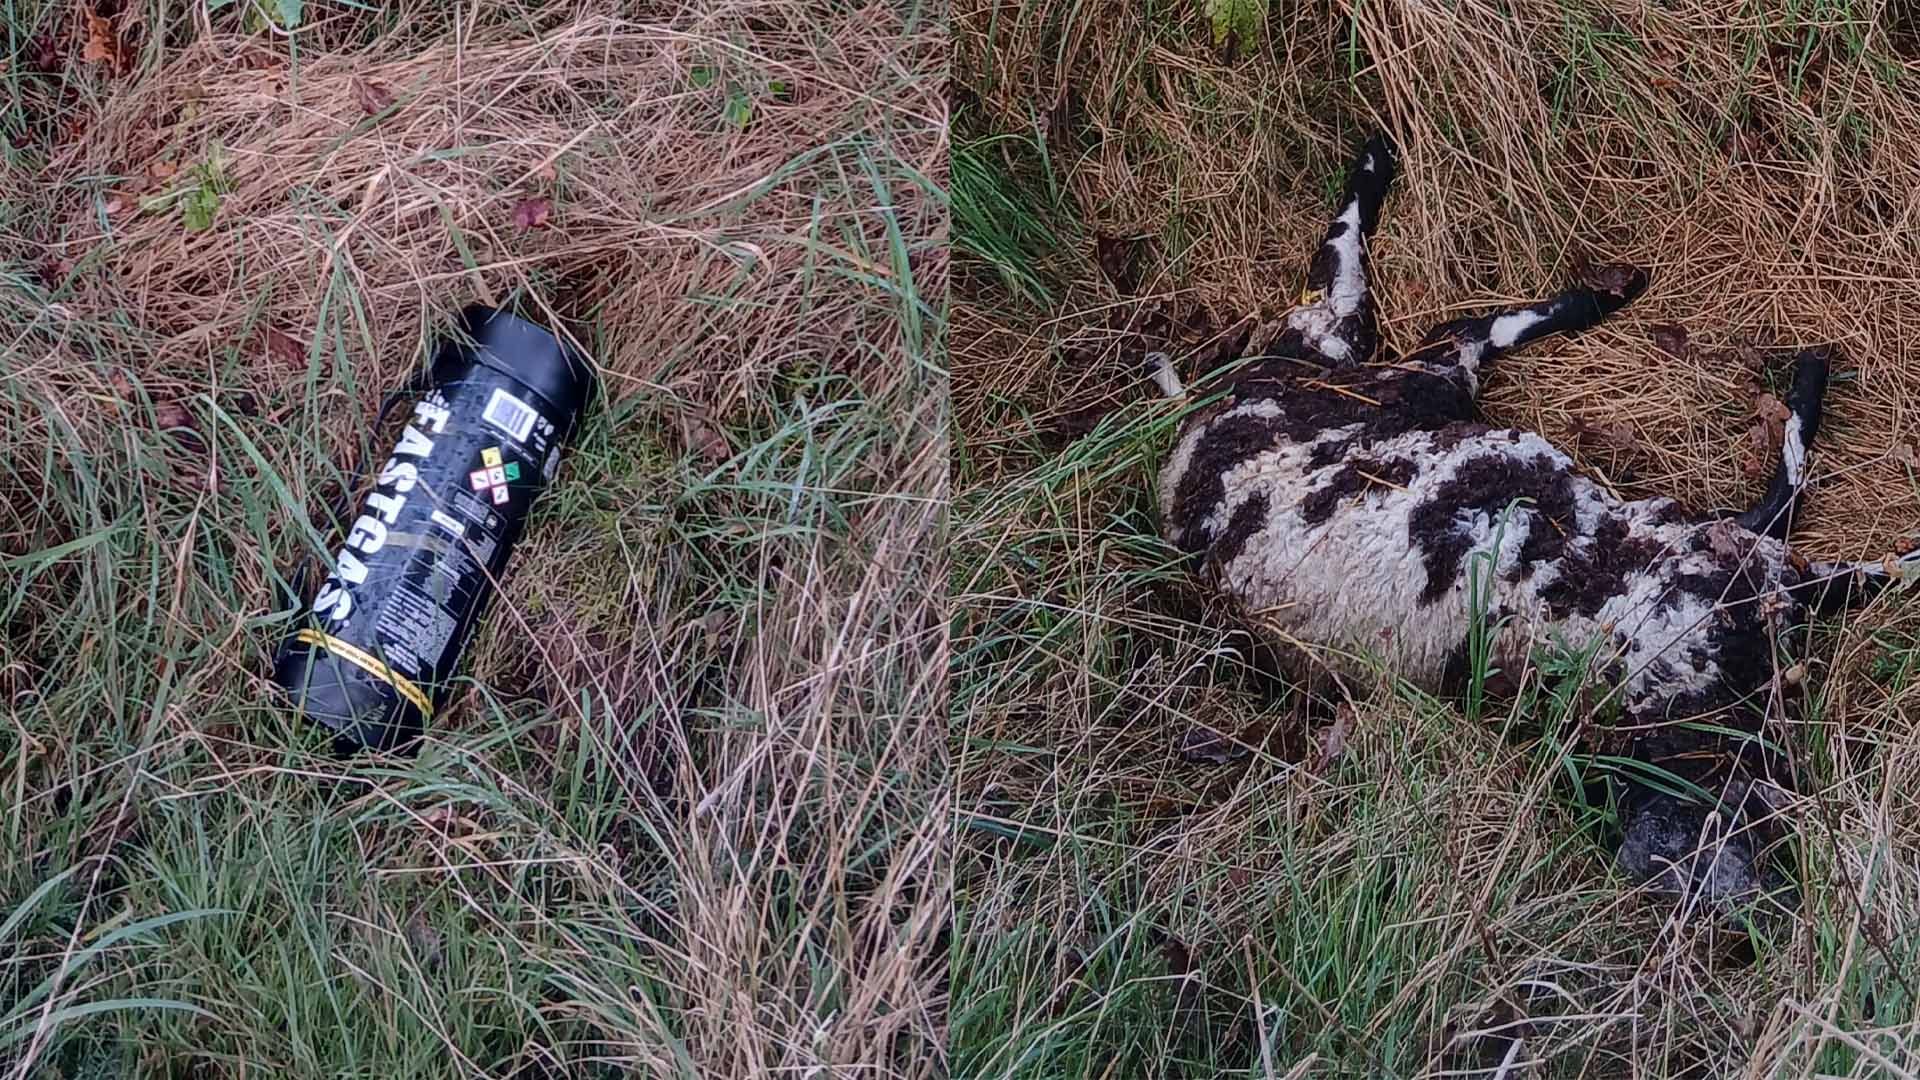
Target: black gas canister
x,y
373,656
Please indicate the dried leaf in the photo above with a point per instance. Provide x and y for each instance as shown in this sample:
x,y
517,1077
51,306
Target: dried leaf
x,y
373,97
531,214
103,45
162,171
1228,345
426,941
1616,278
1772,410
1178,955
1670,338
700,435
54,270
1332,739
174,419
715,625
449,823
1118,260
1202,745
1616,435
171,414
1765,436
1759,453
46,51
282,347
1187,973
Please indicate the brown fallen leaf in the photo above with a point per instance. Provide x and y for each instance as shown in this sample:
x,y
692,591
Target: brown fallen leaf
x,y
1224,347
174,419
1765,435
1616,435
171,414
1185,969
1771,410
103,46
427,942
531,214
54,270
1332,739
373,97
698,434
162,171
46,52
715,626
1615,278
1670,338
1758,453
282,347
1202,745
1118,258
1059,432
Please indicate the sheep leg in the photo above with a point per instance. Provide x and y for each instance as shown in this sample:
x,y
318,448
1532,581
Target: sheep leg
x,y
1460,348
1335,320
1830,588
1774,514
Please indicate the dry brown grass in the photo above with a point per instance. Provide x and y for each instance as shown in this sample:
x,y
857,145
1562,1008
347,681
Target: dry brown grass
x,y
1763,163
655,194
693,825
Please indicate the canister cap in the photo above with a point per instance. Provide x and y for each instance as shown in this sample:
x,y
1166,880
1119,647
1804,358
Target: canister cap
x,y
528,353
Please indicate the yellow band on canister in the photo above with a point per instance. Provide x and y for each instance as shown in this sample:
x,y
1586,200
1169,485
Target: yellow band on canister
x,y
370,664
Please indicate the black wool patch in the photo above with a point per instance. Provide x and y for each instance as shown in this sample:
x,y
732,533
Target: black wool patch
x,y
1381,402
1489,484
1248,519
1353,478
1595,572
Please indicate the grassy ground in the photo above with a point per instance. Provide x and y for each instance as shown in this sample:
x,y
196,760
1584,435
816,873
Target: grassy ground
x,y
688,816
1400,890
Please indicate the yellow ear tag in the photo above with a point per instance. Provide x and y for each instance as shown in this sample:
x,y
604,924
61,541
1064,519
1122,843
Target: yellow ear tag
x,y
1310,296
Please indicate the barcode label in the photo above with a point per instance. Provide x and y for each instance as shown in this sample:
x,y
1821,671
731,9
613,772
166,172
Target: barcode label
x,y
509,414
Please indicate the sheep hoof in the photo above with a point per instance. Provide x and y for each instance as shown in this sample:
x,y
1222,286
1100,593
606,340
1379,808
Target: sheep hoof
x,y
1159,368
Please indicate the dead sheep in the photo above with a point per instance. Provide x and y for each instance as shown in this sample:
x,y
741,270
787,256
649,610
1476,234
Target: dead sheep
x,y
1363,507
